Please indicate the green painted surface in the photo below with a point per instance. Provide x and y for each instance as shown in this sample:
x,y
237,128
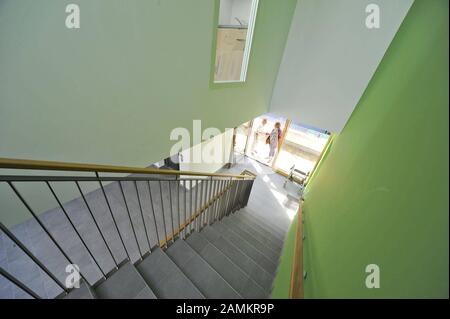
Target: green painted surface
x,y
282,281
112,91
381,195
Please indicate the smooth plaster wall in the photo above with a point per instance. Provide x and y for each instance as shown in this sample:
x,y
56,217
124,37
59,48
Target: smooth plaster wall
x,y
330,58
112,91
381,194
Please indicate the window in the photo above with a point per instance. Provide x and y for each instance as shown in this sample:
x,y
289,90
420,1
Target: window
x,y
234,39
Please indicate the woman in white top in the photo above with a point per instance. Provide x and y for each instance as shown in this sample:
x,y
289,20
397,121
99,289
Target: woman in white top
x,y
274,138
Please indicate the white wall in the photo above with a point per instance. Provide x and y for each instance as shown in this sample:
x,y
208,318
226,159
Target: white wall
x,y
229,9
330,57
218,148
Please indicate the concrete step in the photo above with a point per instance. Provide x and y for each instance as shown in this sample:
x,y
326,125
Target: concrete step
x,y
259,232
165,278
257,220
248,265
203,276
234,275
271,255
269,265
266,249
125,283
84,292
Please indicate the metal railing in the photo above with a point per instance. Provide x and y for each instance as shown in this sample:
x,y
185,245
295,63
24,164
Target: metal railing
x,y
195,200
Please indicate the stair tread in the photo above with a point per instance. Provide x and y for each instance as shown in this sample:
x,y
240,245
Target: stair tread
x,y
234,275
125,283
269,265
246,263
258,231
84,292
204,277
262,247
165,278
259,222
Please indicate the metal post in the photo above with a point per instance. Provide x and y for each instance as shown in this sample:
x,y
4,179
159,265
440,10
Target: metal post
x,y
131,221
74,228
24,202
153,211
142,216
96,224
112,215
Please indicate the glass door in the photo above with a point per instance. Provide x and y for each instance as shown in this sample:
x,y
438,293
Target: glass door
x,y
265,137
301,148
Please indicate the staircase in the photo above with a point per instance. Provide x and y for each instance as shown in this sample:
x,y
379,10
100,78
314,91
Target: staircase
x,y
212,263
210,245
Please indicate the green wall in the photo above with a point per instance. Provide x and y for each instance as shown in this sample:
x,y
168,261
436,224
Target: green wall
x,y
283,279
112,91
381,195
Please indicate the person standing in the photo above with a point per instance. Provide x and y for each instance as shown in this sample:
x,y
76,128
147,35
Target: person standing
x,y
260,133
273,140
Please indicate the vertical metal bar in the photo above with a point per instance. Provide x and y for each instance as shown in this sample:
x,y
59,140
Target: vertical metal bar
x,y
153,211
74,228
96,224
142,216
230,192
18,283
129,216
223,206
178,206
213,206
190,206
164,217
209,199
24,202
171,209
199,222
222,199
112,215
196,204
32,257
219,200
236,196
185,209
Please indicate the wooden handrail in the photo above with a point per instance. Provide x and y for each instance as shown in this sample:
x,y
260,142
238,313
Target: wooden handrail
x,y
14,163
296,285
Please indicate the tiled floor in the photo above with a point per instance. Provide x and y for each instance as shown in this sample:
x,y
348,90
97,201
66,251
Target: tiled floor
x,y
267,191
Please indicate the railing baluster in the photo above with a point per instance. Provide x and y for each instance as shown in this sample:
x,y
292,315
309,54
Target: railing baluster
x,y
74,228
32,256
131,221
219,199
18,283
96,224
190,206
185,209
171,210
112,215
153,212
199,219
225,199
213,211
196,204
24,202
178,206
142,216
164,217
